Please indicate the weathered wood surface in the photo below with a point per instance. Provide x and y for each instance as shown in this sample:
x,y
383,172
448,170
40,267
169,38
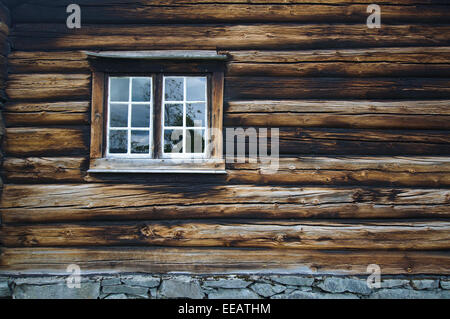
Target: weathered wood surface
x,y
149,11
25,141
37,141
366,62
219,260
329,235
401,171
77,87
246,88
83,202
246,36
48,86
42,113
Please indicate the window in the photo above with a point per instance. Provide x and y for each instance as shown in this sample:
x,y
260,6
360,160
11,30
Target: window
x,y
157,112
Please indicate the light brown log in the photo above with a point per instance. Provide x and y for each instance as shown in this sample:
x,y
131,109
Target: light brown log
x,y
42,113
373,121
254,36
289,62
218,260
402,171
49,62
361,235
82,202
188,11
422,55
247,88
48,86
42,169
36,141
338,107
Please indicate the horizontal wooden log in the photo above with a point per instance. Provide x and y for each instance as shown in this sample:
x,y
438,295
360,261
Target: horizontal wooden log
x,y
339,69
415,171
88,202
247,36
350,141
35,141
422,55
361,235
151,11
42,169
48,86
358,61
246,88
422,122
62,113
218,260
47,62
401,171
338,107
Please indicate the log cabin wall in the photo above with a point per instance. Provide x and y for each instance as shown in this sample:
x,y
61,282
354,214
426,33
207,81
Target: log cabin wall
x,y
364,119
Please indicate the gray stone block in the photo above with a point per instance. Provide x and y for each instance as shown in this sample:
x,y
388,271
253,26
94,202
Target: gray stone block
x,y
425,284
87,290
111,281
142,281
233,294
5,292
445,284
117,296
409,294
124,289
181,288
293,280
313,295
393,283
267,290
336,285
226,283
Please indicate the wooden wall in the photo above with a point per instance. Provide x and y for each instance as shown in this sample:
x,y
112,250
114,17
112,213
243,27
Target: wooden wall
x,y
364,118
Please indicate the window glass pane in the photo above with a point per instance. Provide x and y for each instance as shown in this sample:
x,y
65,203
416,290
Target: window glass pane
x,y
173,114
118,141
120,88
195,114
140,142
195,141
173,141
141,89
118,115
140,115
174,88
196,89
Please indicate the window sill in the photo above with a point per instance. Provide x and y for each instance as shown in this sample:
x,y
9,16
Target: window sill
x,y
187,166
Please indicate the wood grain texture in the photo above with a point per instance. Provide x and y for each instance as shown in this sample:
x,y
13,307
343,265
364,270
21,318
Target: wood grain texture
x,y
246,36
48,86
218,260
96,201
103,11
276,234
46,113
246,88
400,171
48,62
38,141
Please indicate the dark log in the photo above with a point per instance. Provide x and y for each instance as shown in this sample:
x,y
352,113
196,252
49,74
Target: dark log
x,y
246,88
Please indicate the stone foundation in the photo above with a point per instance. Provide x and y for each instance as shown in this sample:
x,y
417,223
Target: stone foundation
x,y
131,286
